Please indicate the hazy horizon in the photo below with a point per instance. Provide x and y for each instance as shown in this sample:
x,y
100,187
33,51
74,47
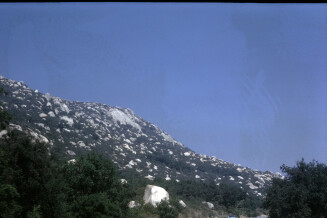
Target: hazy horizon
x,y
243,82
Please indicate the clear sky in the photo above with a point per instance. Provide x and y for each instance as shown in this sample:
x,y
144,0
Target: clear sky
x,y
246,83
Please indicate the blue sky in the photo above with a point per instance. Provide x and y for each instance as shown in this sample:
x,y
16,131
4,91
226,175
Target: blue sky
x,y
243,82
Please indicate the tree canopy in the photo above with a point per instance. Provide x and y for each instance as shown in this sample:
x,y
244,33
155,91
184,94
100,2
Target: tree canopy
x,y
32,184
94,189
302,193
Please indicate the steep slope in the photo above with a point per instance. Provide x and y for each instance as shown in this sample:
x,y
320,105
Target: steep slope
x,y
135,145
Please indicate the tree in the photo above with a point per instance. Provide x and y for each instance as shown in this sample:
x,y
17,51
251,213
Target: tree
x,y
93,189
5,116
8,201
165,210
302,193
231,194
95,205
27,177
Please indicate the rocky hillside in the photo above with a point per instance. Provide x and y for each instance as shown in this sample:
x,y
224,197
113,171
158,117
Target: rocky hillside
x,y
134,144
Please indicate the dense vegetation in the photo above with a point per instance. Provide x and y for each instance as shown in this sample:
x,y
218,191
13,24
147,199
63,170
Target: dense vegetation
x,y
303,192
34,183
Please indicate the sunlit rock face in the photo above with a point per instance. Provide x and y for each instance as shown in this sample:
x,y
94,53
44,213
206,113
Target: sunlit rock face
x,y
154,195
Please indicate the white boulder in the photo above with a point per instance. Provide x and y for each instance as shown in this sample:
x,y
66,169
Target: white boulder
x,y
71,152
210,205
123,181
72,161
154,195
187,154
251,186
3,132
42,115
133,204
149,177
51,114
69,121
181,202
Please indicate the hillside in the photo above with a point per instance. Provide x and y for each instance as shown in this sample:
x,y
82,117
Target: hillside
x,y
135,145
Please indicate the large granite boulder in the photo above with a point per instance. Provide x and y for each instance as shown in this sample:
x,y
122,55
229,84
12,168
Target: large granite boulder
x,y
154,195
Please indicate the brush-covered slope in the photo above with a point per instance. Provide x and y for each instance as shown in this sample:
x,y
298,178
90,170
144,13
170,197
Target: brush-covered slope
x,y
134,144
